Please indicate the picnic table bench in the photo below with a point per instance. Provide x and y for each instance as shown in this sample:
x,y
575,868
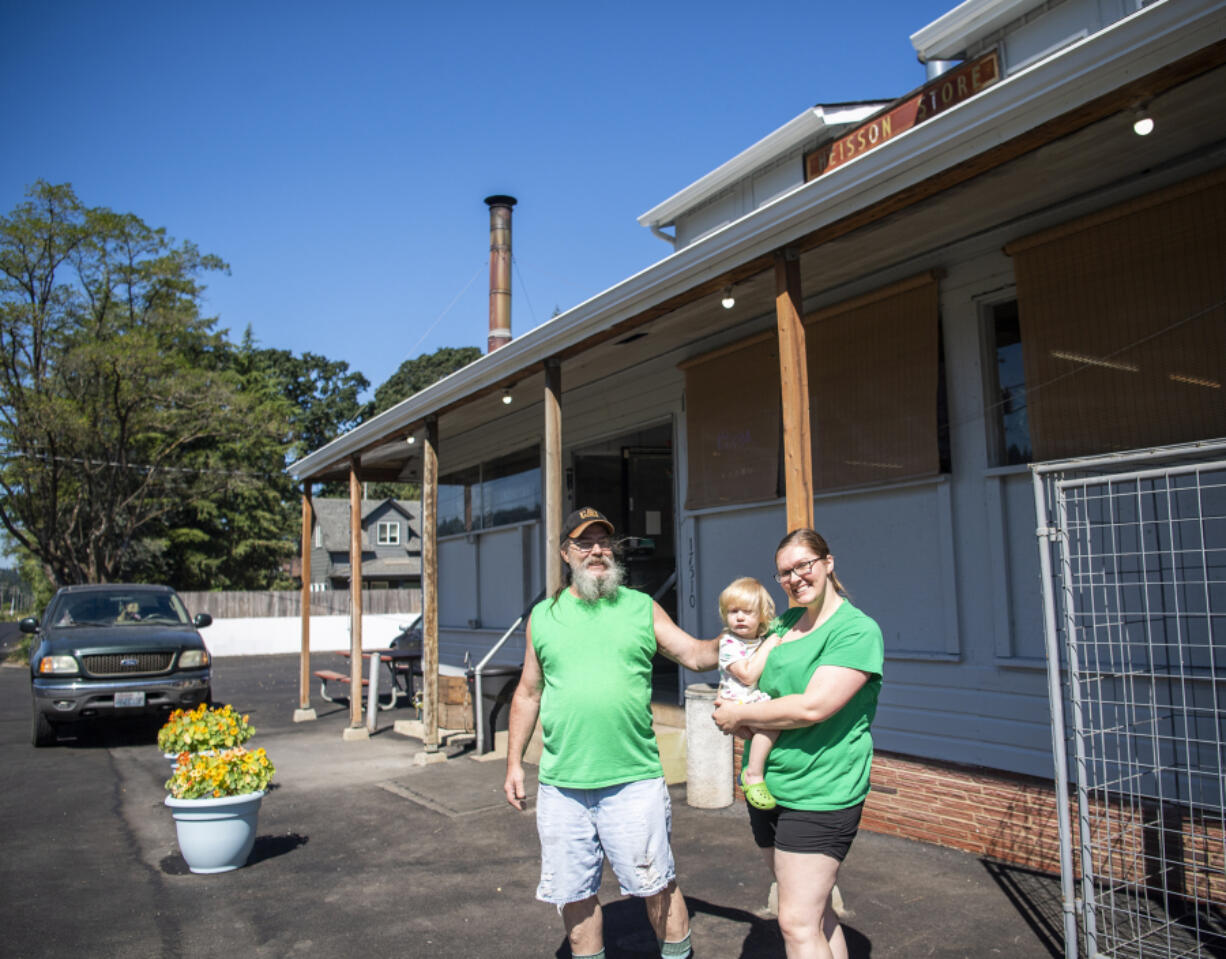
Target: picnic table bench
x,y
403,664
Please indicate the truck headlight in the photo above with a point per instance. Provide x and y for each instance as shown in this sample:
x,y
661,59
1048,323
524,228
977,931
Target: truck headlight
x,y
193,658
57,664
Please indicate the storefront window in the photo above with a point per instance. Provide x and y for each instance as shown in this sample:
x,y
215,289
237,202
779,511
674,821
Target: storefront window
x,y
1007,391
511,489
502,491
459,502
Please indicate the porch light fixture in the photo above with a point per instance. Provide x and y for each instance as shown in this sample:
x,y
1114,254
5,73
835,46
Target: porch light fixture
x,y
410,439
727,301
506,397
1142,123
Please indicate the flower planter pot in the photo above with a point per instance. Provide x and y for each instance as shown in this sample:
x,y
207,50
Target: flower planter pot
x,y
216,835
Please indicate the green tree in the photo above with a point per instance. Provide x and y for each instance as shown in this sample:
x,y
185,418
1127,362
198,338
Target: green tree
x,y
416,374
411,377
322,394
120,405
241,534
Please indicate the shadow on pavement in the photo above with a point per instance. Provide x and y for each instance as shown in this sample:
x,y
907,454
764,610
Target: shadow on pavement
x,y
109,733
266,847
1036,897
628,934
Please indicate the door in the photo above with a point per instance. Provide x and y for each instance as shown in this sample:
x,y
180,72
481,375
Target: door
x,y
631,480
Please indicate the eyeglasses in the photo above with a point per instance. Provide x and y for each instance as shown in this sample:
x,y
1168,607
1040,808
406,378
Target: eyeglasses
x,y
584,548
800,569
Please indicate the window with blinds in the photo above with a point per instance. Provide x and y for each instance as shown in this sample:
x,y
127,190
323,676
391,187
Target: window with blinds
x,y
1123,323
874,400
874,386
733,423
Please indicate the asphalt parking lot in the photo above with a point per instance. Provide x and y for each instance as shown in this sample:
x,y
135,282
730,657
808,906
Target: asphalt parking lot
x,y
362,851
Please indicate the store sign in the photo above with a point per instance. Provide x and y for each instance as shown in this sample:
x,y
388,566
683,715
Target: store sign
x,y
932,98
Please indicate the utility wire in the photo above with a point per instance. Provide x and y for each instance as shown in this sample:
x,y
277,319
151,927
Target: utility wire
x,y
438,319
144,467
1031,390
524,287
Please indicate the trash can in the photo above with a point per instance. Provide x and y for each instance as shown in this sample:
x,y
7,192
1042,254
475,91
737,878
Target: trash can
x,y
708,752
497,687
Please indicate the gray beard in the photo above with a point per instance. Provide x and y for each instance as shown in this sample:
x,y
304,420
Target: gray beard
x,y
592,588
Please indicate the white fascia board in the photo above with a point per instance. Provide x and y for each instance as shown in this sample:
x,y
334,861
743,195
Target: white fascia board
x,y
948,36
1145,41
792,134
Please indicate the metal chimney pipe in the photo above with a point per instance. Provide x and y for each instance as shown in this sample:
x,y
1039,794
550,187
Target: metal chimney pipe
x,y
934,68
500,270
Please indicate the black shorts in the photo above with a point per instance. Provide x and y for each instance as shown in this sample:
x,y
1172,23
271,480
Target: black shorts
x,y
828,831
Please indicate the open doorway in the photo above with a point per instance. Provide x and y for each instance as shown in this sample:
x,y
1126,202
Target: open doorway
x,y
630,478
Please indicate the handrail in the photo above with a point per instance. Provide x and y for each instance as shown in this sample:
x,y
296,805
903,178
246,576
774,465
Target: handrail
x,y
477,701
477,670
665,586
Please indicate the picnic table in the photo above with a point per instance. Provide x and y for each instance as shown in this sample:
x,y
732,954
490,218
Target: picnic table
x,y
402,662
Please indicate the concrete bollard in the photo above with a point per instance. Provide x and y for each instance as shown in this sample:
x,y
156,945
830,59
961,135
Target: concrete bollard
x,y
708,752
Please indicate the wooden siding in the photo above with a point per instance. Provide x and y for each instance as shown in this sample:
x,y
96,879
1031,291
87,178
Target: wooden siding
x,y
245,605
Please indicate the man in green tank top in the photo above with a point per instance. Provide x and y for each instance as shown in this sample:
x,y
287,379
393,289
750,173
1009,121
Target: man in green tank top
x,y
587,675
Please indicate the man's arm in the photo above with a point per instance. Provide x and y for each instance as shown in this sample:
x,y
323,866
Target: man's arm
x,y
525,706
679,646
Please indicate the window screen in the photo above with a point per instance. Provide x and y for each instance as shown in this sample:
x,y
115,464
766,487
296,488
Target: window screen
x,y
1123,323
733,423
874,386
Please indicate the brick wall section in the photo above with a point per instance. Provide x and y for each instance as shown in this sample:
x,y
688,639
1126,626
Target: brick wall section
x,y
1013,818
1205,851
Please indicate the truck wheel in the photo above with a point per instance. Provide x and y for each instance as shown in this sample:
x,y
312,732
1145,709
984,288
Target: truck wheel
x,y
42,732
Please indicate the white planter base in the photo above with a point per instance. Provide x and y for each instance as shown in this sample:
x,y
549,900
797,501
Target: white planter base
x,y
216,835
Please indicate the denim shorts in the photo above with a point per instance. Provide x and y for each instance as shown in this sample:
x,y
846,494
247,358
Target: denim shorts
x,y
629,823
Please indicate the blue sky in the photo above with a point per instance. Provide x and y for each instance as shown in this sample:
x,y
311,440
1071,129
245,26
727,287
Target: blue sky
x,y
336,155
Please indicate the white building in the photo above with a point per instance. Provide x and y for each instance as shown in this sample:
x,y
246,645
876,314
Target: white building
x,y
995,269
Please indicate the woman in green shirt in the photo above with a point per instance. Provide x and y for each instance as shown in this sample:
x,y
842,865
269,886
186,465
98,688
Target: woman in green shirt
x,y
823,680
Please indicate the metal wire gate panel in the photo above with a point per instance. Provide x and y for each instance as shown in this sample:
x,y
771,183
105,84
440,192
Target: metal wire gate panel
x,y
1133,551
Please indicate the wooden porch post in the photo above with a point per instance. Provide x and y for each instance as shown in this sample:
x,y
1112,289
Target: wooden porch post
x,y
304,711
794,382
429,583
553,473
355,599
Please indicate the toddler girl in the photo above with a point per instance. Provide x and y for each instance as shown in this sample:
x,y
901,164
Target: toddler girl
x,y
747,610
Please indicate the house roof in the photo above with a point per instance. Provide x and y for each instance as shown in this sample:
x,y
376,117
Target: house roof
x,y
332,517
810,124
950,35
1033,141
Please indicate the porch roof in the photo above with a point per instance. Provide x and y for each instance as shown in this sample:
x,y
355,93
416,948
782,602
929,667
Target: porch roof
x,y
1056,135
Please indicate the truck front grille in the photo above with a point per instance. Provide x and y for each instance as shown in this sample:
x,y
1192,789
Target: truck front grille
x,y
127,664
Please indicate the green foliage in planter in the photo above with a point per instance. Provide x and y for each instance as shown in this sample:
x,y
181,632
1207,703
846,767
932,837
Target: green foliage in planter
x,y
232,772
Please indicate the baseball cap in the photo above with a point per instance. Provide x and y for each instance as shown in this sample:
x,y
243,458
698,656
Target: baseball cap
x,y
581,519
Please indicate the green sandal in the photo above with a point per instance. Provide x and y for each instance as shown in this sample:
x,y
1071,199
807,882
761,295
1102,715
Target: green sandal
x,y
757,794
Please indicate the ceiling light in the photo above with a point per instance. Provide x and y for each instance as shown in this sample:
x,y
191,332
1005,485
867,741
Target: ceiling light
x,y
1142,123
506,397
410,439
728,301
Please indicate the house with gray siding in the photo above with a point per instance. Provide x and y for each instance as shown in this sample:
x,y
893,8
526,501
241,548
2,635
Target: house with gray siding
x,y
391,544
